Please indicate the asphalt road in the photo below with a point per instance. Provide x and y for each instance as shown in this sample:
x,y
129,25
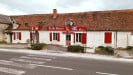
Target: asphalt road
x,y
30,64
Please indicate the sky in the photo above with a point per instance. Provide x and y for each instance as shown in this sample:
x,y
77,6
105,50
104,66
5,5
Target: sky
x,y
23,7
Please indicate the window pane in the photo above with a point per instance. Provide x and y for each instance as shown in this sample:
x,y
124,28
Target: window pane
x,y
79,37
76,37
17,35
68,37
55,36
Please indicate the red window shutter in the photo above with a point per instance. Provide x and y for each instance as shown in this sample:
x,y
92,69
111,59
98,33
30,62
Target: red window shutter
x,y
74,38
50,36
84,35
31,36
20,35
58,37
108,37
14,35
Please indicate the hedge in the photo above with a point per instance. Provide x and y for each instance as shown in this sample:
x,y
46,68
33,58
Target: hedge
x,y
75,48
37,46
105,50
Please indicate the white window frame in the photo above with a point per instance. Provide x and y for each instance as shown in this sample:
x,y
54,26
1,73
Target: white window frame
x,y
78,37
55,35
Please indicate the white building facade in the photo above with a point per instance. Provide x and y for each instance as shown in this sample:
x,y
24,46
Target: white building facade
x,y
89,39
88,29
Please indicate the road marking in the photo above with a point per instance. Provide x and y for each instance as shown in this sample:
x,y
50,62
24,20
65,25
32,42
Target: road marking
x,y
55,67
11,71
29,66
4,49
27,61
101,73
42,56
5,61
35,58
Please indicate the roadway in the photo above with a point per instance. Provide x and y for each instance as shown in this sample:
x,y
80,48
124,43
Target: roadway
x,y
32,64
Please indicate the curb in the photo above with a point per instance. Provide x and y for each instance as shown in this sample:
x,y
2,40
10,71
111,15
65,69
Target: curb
x,y
67,54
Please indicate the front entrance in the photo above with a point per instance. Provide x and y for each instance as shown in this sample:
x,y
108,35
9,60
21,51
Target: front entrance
x,y
68,39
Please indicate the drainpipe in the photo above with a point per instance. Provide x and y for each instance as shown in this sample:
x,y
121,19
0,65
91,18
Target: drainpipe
x,y
115,52
116,40
127,40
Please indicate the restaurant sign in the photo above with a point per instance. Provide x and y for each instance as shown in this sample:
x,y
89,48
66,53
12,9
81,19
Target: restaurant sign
x,y
65,28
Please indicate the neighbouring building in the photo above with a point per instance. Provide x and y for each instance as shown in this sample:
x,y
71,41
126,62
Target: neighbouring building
x,y
89,29
5,23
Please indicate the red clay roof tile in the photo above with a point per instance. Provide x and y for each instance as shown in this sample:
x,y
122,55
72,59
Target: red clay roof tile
x,y
100,20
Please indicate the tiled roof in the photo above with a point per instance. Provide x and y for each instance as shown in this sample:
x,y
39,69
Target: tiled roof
x,y
119,20
5,19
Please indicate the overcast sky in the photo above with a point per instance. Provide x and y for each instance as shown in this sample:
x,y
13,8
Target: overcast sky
x,y
21,7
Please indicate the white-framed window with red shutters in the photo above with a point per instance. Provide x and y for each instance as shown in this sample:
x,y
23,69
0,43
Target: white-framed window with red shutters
x,y
81,38
17,35
54,36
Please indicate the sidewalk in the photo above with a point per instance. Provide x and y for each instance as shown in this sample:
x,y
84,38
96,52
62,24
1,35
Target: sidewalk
x,y
68,54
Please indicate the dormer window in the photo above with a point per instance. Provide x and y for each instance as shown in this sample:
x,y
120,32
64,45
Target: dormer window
x,y
40,23
69,22
27,24
12,20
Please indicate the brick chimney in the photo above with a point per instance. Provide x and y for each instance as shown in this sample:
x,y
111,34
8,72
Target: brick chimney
x,y
54,13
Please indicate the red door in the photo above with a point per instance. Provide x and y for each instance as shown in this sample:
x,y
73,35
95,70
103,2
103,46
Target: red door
x,y
68,39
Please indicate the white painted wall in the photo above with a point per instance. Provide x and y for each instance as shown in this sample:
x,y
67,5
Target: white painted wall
x,y
25,36
131,40
7,38
45,38
62,38
2,36
124,39
94,38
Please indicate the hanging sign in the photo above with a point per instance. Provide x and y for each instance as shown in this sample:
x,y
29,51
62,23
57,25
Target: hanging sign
x,y
67,28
